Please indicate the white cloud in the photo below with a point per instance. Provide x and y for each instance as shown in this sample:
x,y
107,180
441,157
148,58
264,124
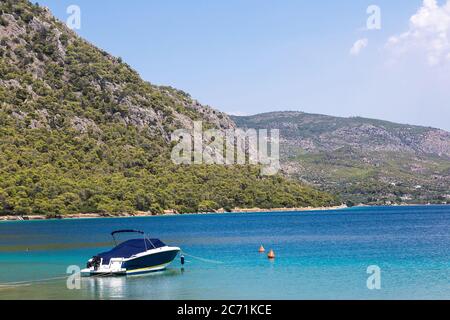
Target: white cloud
x,y
429,33
359,45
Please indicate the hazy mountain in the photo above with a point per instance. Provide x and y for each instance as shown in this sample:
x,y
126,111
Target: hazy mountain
x,y
364,160
80,131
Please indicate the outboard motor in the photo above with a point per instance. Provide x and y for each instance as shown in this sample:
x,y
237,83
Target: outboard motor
x,y
95,262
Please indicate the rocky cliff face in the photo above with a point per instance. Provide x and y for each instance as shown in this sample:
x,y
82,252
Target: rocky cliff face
x,y
53,77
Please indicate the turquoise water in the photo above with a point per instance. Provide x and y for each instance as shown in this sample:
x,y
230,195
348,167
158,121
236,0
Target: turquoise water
x,y
320,255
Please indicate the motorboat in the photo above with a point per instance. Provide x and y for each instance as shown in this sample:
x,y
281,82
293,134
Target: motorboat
x,y
135,256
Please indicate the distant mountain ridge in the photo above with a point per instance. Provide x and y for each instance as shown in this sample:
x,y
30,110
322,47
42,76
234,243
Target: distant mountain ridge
x,y
327,133
363,160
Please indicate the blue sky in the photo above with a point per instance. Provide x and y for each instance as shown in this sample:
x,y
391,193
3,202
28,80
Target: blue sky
x,y
252,56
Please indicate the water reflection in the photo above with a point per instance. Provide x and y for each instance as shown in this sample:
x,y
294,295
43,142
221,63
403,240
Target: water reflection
x,y
134,285
106,288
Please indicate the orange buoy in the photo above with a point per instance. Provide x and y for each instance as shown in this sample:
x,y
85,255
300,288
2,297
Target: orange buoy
x,y
271,255
261,249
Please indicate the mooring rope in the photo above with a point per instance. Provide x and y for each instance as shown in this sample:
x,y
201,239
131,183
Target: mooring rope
x,y
202,259
29,282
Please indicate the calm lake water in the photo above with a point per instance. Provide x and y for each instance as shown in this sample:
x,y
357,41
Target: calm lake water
x,y
320,255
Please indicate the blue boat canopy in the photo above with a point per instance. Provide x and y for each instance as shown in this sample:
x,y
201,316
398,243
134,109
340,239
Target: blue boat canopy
x,y
130,248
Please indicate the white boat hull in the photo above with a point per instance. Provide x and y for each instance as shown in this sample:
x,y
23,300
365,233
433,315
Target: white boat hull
x,y
149,261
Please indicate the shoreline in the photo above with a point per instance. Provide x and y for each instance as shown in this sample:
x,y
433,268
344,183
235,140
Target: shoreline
x,y
174,213
165,213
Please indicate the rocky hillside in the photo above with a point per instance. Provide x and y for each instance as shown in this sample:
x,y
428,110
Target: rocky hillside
x,y
80,131
47,69
364,160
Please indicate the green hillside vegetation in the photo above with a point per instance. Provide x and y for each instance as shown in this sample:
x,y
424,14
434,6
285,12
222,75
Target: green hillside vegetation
x,y
80,132
58,172
386,179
